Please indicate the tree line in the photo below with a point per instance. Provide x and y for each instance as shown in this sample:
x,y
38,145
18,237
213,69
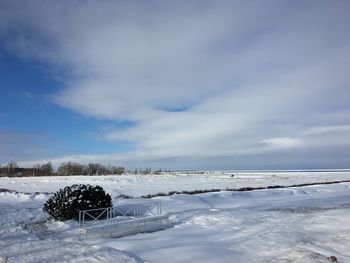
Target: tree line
x,y
64,169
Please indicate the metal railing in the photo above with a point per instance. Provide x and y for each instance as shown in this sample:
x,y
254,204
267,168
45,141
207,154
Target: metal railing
x,y
128,218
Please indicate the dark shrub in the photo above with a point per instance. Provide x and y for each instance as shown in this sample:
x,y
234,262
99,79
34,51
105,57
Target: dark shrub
x,y
66,203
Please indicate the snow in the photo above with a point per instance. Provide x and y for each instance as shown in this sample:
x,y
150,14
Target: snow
x,y
138,185
304,224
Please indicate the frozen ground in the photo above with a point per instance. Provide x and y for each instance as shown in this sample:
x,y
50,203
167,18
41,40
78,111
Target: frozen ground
x,y
306,224
137,185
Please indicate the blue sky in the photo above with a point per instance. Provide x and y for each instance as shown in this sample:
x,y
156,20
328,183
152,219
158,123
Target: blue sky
x,y
41,126
178,85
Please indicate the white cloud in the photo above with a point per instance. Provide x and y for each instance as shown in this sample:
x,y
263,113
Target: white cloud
x,y
242,72
282,142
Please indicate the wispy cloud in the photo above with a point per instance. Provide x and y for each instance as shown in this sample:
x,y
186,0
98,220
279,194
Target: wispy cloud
x,y
283,142
21,146
327,130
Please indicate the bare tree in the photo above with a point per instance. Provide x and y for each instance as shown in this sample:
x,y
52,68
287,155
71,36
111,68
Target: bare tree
x,y
11,166
47,169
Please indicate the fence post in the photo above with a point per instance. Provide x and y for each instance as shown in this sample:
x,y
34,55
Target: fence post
x,y
110,221
79,224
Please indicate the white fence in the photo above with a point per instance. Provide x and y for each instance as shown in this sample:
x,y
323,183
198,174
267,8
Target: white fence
x,y
130,217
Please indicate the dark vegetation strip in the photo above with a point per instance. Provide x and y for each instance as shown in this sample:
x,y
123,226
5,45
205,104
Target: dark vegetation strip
x,y
242,189
3,190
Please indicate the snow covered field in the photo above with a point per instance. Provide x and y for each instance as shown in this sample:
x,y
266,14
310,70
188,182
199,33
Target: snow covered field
x,y
137,185
305,224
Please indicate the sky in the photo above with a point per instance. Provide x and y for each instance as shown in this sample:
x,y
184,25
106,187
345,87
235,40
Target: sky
x,y
176,84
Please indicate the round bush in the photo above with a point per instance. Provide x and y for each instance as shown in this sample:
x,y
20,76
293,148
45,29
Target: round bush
x,y
66,203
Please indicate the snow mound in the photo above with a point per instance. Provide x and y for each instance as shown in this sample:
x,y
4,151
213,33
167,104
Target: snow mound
x,y
264,193
217,220
55,251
